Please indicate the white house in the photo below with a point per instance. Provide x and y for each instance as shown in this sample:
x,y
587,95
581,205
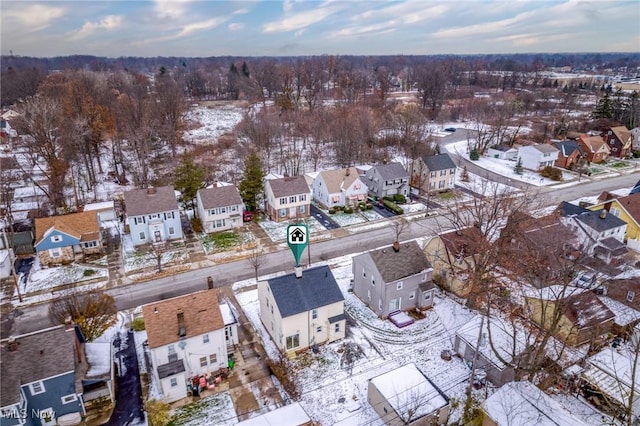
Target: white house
x,y
6,257
302,309
152,215
230,324
287,198
537,157
219,208
186,337
503,152
339,187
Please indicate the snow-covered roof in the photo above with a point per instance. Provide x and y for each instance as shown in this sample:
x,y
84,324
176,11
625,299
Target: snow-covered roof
x,y
611,372
289,415
624,315
405,387
552,292
99,206
99,358
227,314
523,404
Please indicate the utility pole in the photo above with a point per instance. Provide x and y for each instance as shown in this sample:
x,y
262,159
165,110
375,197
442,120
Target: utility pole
x,y
13,266
467,405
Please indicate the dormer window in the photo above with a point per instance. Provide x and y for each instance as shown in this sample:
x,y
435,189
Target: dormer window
x,y
630,295
182,330
56,238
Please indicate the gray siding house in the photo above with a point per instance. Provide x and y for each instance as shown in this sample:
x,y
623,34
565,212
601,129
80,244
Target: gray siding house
x,y
387,179
153,215
41,378
219,208
393,278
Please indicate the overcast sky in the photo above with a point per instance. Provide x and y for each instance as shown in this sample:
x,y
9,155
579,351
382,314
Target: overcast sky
x,y
187,28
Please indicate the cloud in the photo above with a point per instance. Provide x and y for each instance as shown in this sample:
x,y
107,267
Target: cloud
x,y
235,26
172,9
202,25
108,23
33,17
300,20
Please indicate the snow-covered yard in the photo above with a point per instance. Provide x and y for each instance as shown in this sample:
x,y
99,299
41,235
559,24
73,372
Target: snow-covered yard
x,y
50,278
212,122
136,259
277,231
213,410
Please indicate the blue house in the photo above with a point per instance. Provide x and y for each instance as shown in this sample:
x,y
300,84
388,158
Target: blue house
x,y
67,238
153,215
41,378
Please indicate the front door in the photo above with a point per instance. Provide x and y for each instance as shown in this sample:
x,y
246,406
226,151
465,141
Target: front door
x,y
394,304
292,212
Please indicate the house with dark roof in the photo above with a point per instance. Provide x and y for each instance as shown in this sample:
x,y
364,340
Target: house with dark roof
x,y
619,139
569,154
433,173
594,147
153,215
42,376
219,208
386,180
581,317
627,209
537,157
186,338
67,238
453,254
287,198
339,187
302,309
601,234
503,152
393,278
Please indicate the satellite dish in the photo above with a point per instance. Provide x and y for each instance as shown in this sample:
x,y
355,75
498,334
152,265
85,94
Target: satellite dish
x,y
182,344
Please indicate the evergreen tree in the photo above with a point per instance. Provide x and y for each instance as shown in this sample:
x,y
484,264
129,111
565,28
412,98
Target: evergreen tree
x,y
189,177
604,109
518,167
252,183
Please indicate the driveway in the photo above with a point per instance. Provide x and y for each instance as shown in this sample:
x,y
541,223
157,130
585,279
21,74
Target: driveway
x,y
382,211
128,410
321,217
23,267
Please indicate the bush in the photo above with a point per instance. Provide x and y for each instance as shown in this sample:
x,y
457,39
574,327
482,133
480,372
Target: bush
x,y
369,206
390,205
157,412
332,210
400,199
138,324
88,272
196,225
348,210
551,173
474,155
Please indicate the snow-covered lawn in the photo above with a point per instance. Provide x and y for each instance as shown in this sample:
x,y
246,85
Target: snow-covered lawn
x,y
50,278
413,207
483,186
371,215
134,260
213,122
235,239
347,219
213,410
277,231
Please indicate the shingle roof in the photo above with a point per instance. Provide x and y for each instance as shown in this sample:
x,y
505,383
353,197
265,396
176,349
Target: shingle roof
x,y
39,355
586,310
83,226
408,261
468,240
438,162
594,143
316,288
221,196
171,368
287,186
201,315
567,147
594,220
631,204
568,209
391,171
151,200
337,180
545,148
622,133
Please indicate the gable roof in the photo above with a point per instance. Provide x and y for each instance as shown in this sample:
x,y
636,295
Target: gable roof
x,y
438,162
568,147
545,148
567,209
595,220
631,203
594,143
139,202
40,355
220,196
524,404
316,288
394,265
468,240
619,289
391,171
622,133
201,315
340,179
585,309
83,226
292,185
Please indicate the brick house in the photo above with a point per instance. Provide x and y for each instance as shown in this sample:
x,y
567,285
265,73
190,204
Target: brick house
x,y
594,147
570,153
619,139
287,198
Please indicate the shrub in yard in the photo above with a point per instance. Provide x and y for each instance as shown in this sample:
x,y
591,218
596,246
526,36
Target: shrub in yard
x,y
196,225
400,199
88,272
348,210
369,206
157,412
474,155
332,210
551,173
393,207
138,324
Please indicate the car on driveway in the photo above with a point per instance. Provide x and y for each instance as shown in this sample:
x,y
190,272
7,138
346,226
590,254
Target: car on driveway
x,y
450,129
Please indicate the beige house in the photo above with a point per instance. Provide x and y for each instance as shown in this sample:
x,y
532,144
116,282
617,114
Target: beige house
x,y
452,255
287,198
433,173
302,309
405,396
340,187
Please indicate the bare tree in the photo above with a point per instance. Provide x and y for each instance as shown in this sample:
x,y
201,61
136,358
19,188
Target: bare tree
x,y
92,312
257,260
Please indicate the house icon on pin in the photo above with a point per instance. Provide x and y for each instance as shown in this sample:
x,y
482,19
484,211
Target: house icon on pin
x,y
297,236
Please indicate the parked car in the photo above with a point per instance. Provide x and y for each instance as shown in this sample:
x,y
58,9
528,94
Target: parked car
x,y
586,280
450,129
247,216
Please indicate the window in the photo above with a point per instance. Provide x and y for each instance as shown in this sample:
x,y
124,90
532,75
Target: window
x,y
267,303
441,184
283,212
233,208
614,211
302,209
293,341
142,236
412,295
452,171
399,285
56,238
169,215
55,252
630,295
219,223
172,230
171,349
283,200
364,273
213,358
426,295
302,197
424,276
90,244
203,361
139,220
432,185
223,209
336,327
292,199
36,388
314,314
373,282
443,172
434,174
69,398
379,303
369,294
205,338
319,329
174,382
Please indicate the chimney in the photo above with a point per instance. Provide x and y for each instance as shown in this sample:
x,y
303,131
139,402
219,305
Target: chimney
x,y
151,191
182,330
603,214
210,283
348,171
68,323
12,344
396,246
298,271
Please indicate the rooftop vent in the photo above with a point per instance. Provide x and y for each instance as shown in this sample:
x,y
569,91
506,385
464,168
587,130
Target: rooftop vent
x,y
603,214
396,246
151,191
12,344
